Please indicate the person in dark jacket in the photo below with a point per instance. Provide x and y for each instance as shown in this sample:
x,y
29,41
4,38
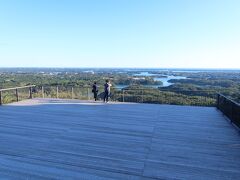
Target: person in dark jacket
x,y
107,86
95,91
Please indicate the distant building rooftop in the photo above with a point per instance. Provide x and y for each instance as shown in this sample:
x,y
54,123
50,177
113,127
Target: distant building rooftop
x,y
67,139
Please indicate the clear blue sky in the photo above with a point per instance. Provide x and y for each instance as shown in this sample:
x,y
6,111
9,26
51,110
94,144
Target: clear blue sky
x,y
120,33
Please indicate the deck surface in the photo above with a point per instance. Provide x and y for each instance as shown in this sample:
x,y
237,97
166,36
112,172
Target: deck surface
x,y
60,139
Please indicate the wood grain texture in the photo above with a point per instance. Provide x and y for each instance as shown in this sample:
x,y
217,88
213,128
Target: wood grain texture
x,y
70,139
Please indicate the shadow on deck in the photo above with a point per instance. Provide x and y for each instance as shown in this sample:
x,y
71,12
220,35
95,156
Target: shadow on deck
x,y
81,139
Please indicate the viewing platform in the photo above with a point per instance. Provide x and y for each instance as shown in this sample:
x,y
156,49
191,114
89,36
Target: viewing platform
x,y
81,139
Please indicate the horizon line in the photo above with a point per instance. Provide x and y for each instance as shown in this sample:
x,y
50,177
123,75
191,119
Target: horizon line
x,y
51,67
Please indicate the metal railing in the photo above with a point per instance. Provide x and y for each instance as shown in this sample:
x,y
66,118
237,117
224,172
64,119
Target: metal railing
x,y
175,97
63,92
229,108
138,95
16,94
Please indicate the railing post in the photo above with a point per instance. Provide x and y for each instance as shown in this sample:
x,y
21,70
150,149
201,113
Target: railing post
x,y
88,94
142,96
232,112
17,95
218,101
123,99
30,93
1,98
42,92
72,92
57,92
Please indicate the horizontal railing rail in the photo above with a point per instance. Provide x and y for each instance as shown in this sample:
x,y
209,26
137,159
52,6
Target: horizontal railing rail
x,y
21,87
15,93
229,108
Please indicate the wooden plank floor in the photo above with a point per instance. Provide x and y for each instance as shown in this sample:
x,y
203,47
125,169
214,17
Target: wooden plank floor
x,y
68,139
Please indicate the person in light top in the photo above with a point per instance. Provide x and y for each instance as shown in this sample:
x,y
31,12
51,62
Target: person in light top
x,y
107,88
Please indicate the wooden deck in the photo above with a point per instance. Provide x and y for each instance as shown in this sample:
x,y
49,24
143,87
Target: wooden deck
x,y
60,139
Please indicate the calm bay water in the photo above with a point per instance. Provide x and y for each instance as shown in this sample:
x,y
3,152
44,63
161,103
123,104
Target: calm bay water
x,y
164,80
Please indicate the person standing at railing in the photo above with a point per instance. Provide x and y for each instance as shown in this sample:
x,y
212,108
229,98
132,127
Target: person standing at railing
x,y
95,90
107,86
